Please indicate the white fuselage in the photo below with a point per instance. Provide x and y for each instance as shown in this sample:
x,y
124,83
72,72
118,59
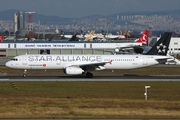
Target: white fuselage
x,y
63,61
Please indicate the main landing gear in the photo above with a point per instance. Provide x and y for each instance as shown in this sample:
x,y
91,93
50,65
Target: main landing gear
x,y
25,73
89,75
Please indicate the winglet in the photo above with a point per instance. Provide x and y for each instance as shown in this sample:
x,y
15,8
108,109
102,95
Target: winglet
x,y
162,45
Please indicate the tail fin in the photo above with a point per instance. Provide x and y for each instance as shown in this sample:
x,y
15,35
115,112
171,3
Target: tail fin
x,y
62,32
162,45
103,33
1,38
90,36
92,32
82,32
143,38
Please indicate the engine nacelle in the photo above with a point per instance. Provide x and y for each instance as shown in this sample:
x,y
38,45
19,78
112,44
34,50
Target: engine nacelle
x,y
116,50
73,71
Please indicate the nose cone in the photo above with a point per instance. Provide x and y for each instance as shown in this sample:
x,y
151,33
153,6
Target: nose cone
x,y
8,64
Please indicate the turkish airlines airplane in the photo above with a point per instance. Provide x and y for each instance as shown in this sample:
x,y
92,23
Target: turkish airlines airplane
x,y
111,36
142,40
88,37
85,64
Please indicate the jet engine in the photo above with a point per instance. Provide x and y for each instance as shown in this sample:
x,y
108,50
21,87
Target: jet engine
x,y
116,50
73,71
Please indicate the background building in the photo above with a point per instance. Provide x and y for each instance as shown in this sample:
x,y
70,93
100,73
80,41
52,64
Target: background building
x,y
15,22
19,23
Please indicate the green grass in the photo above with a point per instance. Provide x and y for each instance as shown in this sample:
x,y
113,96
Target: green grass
x,y
132,90
89,100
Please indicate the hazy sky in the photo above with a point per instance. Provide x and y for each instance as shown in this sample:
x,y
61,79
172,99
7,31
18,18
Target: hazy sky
x,y
81,8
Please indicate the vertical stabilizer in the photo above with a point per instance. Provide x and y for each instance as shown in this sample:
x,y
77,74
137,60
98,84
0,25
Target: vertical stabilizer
x,y
143,38
90,36
162,45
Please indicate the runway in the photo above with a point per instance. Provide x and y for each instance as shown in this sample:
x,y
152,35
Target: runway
x,y
97,78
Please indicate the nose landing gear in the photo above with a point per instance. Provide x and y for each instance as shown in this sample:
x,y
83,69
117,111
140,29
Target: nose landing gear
x,y
25,73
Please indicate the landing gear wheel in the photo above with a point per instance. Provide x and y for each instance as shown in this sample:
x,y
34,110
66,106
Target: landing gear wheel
x,y
25,73
89,75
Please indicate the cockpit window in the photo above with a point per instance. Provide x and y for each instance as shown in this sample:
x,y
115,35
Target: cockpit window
x,y
14,59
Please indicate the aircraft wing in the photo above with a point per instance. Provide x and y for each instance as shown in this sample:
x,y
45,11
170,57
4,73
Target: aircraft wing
x,y
91,66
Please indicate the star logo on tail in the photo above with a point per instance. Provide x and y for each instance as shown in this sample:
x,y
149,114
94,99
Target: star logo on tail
x,y
161,48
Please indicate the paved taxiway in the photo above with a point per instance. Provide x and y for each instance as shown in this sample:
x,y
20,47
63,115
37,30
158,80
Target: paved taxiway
x,y
95,78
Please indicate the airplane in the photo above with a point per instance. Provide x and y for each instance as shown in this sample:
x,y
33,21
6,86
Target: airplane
x,y
87,37
94,37
142,41
111,36
1,38
65,36
69,36
82,35
144,37
85,64
98,37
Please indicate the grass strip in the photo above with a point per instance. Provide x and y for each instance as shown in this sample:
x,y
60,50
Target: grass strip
x,y
89,100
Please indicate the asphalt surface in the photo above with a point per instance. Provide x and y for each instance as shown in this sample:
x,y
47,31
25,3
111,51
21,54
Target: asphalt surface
x,y
127,77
